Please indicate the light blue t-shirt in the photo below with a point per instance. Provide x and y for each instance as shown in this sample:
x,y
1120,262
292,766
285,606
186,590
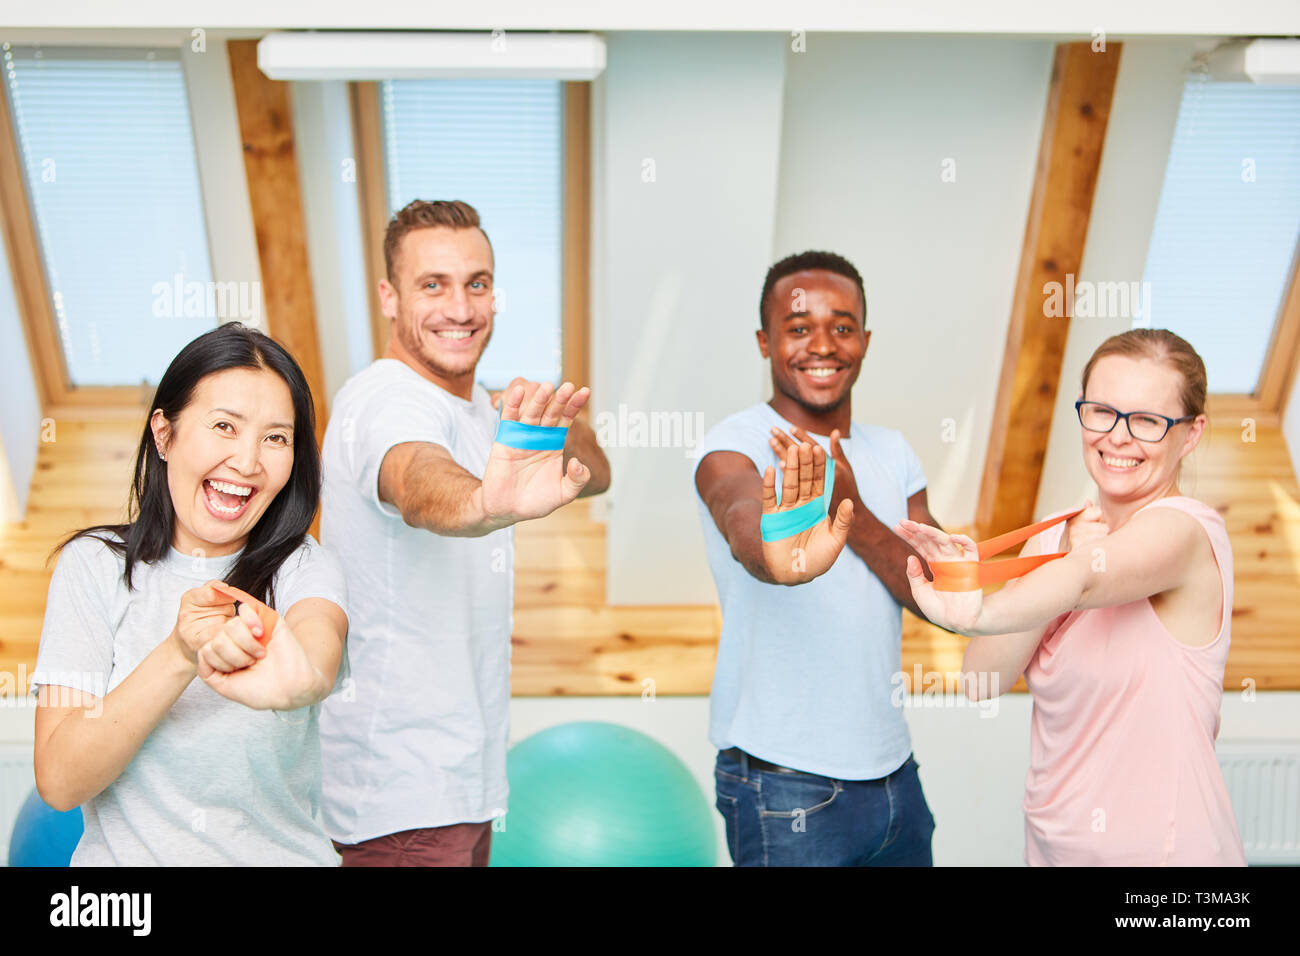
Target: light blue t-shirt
x,y
804,674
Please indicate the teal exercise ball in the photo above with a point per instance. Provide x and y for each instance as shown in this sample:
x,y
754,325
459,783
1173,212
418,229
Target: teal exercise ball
x,y
599,794
43,836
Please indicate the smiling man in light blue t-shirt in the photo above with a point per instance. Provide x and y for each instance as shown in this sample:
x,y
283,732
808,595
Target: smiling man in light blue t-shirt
x,y
815,763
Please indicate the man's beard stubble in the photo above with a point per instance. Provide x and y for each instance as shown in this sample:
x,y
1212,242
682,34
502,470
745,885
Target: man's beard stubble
x,y
416,348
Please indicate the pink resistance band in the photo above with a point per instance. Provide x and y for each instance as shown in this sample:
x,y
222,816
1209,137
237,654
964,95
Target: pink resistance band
x,y
973,575
265,614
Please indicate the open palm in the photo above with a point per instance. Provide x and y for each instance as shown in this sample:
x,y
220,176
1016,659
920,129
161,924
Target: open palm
x,y
956,610
803,556
520,483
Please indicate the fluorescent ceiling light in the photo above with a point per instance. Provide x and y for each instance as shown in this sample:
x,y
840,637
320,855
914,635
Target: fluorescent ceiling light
x,y
1259,61
405,56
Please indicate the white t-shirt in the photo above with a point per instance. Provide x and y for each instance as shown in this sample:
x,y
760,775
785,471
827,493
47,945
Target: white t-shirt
x,y
216,783
805,674
421,742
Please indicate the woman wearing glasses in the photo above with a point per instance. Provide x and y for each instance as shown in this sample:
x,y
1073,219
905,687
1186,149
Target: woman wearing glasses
x,y
1123,641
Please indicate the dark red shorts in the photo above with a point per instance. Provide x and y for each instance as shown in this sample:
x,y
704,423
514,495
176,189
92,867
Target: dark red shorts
x,y
461,844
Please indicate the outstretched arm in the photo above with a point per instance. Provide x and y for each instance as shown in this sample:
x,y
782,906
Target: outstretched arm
x,y
432,492
580,444
1000,659
1150,554
732,490
84,742
883,551
738,499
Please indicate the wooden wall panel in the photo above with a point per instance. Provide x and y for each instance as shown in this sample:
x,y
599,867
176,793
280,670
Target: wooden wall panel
x,y
270,163
576,287
368,142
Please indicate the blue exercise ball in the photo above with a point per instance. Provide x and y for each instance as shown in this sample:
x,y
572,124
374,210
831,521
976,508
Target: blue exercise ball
x,y
600,794
43,836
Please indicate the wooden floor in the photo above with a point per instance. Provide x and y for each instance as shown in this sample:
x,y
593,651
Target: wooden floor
x,y
568,641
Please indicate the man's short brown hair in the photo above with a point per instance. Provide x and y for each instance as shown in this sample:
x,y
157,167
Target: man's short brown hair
x,y
423,214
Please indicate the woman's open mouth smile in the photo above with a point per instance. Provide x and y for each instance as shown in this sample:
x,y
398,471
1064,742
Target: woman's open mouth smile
x,y
227,500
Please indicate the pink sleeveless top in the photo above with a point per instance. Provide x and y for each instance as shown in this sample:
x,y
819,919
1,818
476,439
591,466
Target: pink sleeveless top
x,y
1122,770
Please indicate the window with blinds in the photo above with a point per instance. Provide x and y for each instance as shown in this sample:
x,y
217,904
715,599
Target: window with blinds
x,y
1227,224
107,149
497,145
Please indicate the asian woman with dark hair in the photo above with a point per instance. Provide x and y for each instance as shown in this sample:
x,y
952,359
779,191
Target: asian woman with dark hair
x,y
224,769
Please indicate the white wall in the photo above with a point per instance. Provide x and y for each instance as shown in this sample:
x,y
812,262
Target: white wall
x,y
864,126
1148,91
869,124
682,259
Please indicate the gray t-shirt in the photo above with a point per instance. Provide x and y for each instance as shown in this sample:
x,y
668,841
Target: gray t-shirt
x,y
216,783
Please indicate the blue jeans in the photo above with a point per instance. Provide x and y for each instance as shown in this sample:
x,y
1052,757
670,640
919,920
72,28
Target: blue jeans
x,y
803,819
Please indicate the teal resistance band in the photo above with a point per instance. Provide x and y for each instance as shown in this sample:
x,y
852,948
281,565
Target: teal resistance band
x,y
530,437
786,524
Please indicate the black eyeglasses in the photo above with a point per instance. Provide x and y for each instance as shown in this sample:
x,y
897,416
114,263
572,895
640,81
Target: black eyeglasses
x,y
1144,426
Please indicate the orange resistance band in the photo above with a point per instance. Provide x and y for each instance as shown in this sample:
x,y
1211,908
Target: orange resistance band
x,y
265,614
973,575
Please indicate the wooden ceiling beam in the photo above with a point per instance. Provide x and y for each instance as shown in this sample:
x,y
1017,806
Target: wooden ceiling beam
x,y
1069,157
275,194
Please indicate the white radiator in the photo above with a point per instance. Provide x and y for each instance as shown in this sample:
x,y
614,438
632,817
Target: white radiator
x,y
1263,778
16,781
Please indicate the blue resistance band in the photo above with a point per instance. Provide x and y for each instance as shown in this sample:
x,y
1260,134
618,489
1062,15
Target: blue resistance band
x,y
530,437
786,524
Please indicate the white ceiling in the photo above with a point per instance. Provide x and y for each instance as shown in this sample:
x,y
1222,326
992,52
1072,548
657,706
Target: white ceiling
x,y
1118,18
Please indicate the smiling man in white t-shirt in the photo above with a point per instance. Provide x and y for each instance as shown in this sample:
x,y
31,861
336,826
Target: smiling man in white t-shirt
x,y
419,503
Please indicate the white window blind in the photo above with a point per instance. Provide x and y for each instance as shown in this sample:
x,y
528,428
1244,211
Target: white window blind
x,y
1227,224
108,155
495,144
